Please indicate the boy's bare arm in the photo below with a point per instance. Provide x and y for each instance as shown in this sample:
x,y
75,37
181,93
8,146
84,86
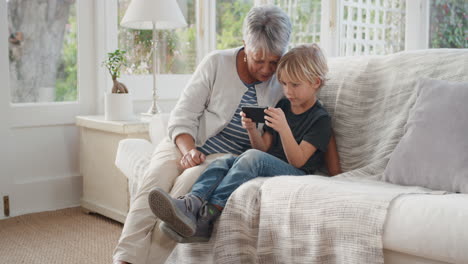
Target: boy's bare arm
x,y
256,140
260,142
267,140
332,159
297,154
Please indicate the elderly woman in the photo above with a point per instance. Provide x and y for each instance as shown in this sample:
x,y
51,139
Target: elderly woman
x,y
205,123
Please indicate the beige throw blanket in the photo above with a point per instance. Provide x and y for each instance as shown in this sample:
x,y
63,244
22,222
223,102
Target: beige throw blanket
x,y
312,219
289,219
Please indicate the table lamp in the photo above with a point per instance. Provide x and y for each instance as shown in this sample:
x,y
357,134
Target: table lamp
x,y
154,15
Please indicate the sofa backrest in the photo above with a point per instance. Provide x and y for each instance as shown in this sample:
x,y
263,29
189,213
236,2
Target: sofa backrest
x,y
369,99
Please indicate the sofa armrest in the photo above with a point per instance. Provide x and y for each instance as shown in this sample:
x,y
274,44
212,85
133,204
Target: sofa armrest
x,y
158,127
134,155
133,158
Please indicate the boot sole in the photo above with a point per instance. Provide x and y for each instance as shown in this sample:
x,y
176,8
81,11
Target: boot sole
x,y
162,206
166,229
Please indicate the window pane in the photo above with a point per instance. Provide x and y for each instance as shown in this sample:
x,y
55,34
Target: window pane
x,y
42,51
448,24
229,19
177,52
305,18
372,27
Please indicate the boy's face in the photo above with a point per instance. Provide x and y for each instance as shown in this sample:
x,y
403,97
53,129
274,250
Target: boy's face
x,y
301,94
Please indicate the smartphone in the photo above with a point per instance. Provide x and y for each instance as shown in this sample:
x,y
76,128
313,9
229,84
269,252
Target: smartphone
x,y
256,113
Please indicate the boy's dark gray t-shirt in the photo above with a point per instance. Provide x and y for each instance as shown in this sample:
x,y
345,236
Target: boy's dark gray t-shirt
x,y
313,126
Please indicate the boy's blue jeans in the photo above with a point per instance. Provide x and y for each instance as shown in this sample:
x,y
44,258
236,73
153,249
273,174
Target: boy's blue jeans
x,y
226,174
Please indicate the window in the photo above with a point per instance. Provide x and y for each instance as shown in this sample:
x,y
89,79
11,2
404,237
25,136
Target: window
x,y
371,27
304,14
48,61
177,48
360,27
229,21
42,47
448,24
342,27
305,18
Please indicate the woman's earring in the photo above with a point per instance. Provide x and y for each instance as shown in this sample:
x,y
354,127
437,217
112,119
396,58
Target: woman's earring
x,y
245,58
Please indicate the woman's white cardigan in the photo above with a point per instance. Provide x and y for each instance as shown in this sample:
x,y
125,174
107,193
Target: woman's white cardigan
x,y
211,97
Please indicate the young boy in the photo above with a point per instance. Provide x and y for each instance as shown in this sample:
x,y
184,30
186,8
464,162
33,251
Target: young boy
x,y
295,139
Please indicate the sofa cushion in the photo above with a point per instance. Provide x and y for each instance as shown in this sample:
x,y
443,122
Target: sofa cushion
x,y
428,226
433,151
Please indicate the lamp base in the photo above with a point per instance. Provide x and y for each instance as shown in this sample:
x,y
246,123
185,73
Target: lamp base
x,y
147,116
154,109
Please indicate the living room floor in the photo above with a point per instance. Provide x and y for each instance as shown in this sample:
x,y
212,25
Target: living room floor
x,y
62,236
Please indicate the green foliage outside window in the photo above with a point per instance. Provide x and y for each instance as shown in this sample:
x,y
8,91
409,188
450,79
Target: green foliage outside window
x,y
229,21
66,85
184,57
176,50
448,29
449,24
305,18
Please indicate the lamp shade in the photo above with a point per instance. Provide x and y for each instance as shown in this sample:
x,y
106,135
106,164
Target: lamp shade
x,y
165,14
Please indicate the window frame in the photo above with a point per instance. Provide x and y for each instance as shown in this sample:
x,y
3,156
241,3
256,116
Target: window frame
x,y
205,13
23,115
97,34
416,26
140,86
206,27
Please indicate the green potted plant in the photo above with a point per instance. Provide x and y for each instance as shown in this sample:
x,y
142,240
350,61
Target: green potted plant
x,y
115,60
118,103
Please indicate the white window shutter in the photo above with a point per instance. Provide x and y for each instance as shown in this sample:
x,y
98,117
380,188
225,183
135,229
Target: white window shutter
x,y
371,27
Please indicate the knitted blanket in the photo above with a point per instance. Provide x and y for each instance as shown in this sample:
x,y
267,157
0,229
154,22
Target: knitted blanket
x,y
314,219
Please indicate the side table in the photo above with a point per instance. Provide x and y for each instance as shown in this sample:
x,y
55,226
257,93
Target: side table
x,y
105,188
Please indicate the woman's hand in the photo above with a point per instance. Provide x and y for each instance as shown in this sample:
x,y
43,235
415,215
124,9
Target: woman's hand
x,y
192,158
276,119
247,123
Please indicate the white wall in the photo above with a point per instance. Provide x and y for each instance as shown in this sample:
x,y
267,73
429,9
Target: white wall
x,y
40,168
45,168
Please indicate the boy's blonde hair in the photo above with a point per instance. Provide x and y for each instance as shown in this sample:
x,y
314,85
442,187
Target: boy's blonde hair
x,y
303,63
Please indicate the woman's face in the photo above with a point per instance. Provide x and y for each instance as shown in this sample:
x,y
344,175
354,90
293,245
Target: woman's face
x,y
261,66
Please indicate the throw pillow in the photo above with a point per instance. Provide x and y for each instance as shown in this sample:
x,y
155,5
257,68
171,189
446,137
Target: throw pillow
x,y
433,152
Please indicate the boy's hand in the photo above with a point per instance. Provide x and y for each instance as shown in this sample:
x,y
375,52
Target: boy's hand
x,y
247,123
276,119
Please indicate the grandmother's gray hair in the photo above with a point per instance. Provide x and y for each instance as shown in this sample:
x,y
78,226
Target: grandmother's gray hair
x,y
267,28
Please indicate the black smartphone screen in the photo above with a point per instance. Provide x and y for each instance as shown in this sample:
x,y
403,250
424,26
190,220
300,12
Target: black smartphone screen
x,y
256,113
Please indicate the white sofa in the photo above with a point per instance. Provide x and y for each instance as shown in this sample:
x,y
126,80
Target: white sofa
x,y
418,228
